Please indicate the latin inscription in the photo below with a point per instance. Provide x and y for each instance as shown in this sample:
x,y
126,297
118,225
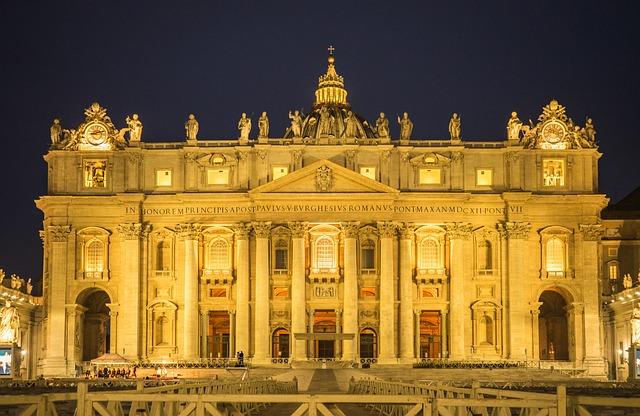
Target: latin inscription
x,y
346,208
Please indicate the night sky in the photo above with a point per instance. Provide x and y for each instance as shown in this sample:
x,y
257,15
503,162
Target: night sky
x,y
217,59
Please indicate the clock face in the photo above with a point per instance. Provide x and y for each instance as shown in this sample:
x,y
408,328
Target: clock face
x,y
96,134
553,132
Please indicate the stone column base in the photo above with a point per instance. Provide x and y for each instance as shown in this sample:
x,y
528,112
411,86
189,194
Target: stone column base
x,y
56,367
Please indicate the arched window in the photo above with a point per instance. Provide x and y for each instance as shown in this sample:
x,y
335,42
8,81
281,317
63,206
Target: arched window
x,y
163,256
324,253
429,254
368,255
94,264
485,254
555,255
163,335
219,254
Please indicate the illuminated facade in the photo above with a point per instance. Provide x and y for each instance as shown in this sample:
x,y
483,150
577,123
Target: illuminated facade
x,y
333,241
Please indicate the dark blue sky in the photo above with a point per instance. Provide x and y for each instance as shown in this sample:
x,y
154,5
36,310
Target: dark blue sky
x,y
164,60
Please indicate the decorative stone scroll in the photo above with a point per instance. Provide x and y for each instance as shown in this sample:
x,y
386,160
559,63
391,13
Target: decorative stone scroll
x,y
188,231
387,229
136,158
591,232
298,228
350,229
406,230
242,230
459,229
59,233
261,229
515,230
132,231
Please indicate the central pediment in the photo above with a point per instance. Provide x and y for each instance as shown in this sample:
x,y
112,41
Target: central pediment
x,y
324,176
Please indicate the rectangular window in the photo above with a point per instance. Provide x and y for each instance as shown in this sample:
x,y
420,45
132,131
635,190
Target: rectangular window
x,y
282,262
218,176
95,173
163,177
279,172
280,292
368,260
613,271
484,177
553,172
430,176
368,292
217,293
369,172
612,251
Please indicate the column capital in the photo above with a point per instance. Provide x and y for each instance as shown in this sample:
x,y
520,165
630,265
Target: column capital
x,y
406,230
242,230
386,229
59,233
417,312
188,231
575,308
459,229
591,232
261,229
298,228
350,229
133,231
515,230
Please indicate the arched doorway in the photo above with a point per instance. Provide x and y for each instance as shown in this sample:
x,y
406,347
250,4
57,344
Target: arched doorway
x,y
368,344
553,330
96,325
280,342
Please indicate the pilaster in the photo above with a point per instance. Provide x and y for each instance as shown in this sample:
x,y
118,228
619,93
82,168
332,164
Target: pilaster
x,y
516,234
189,235
262,231
407,350
350,293
243,314
387,338
298,290
458,234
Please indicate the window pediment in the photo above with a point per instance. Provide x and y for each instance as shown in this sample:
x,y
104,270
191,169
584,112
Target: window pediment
x,y
429,159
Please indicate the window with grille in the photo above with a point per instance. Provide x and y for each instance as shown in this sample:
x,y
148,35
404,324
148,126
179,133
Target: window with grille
x,y
94,264
555,255
163,256
368,255
429,254
324,253
219,254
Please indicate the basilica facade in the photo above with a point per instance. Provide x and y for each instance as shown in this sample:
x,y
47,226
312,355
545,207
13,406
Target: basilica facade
x,y
331,241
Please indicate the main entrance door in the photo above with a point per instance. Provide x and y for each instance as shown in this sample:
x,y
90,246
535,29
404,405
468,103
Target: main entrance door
x,y
324,322
218,337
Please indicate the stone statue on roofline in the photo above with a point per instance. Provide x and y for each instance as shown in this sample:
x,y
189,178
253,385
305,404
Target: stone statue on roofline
x,y
454,127
263,125
296,123
514,125
406,127
56,131
135,128
244,125
191,127
382,126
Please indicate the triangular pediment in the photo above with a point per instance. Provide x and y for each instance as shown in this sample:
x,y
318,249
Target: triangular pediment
x,y
324,176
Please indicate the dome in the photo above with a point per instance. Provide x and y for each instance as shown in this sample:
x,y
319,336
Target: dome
x,y
331,117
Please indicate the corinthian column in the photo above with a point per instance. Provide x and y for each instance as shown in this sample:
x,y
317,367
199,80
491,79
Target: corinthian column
x,y
350,294
130,235
261,326
387,334
516,234
242,289
458,234
590,341
189,235
298,291
406,295
55,315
